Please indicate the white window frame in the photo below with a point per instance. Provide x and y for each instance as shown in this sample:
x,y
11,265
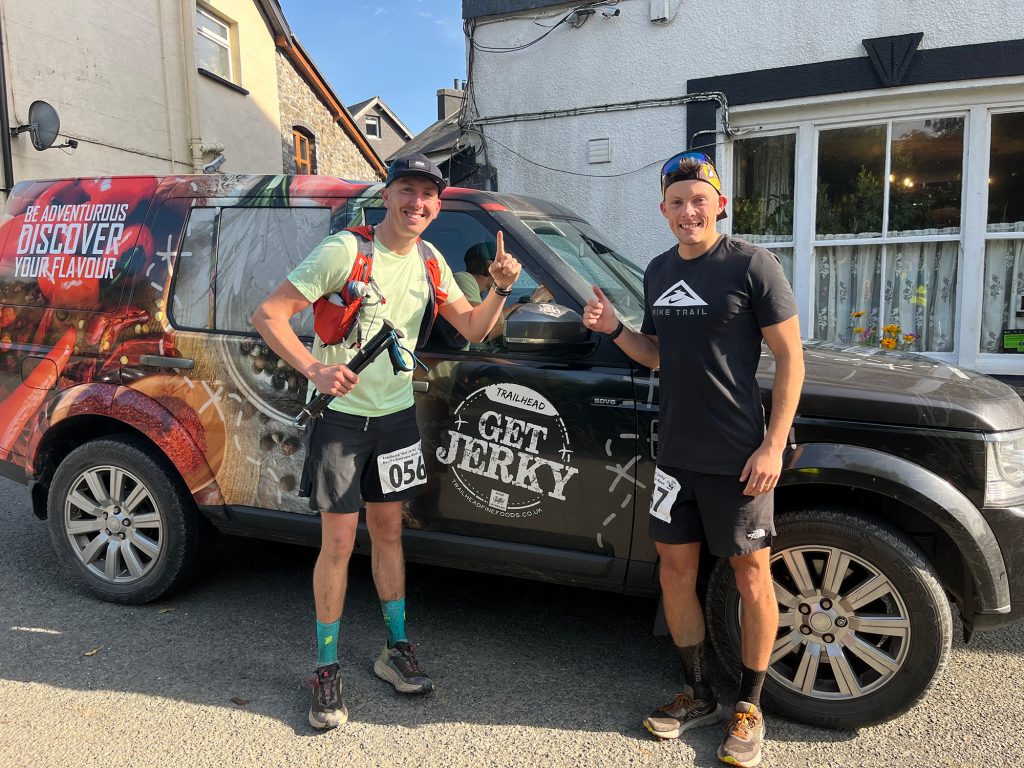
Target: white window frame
x,y
223,42
376,121
976,101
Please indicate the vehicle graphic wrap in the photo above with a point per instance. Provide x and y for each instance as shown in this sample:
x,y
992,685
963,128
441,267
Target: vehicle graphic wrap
x,y
509,451
87,323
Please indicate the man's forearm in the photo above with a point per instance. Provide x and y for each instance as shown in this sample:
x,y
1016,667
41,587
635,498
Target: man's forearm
x,y
789,379
640,348
280,337
484,316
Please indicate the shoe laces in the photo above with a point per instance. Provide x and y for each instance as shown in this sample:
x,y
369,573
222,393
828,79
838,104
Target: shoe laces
x,y
682,701
408,652
324,682
742,724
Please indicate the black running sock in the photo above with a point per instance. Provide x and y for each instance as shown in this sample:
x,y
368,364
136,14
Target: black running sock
x,y
750,686
695,670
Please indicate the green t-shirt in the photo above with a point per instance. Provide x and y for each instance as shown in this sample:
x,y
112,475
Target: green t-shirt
x,y
470,287
404,283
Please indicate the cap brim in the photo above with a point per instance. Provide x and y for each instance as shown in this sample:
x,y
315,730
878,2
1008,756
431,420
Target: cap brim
x,y
441,183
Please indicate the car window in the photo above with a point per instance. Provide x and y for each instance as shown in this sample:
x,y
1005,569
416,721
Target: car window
x,y
586,253
465,244
233,257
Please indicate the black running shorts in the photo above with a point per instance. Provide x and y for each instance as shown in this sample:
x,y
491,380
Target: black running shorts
x,y
354,459
688,507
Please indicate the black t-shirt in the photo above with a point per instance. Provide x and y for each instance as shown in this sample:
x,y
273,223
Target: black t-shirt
x,y
708,313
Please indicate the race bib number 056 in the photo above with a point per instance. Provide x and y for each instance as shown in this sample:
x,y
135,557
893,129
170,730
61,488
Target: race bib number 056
x,y
666,488
401,469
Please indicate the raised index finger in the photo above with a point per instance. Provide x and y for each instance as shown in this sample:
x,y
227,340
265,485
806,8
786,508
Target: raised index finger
x,y
500,252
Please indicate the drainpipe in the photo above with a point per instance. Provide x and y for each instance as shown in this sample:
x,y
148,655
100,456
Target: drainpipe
x,y
5,123
188,41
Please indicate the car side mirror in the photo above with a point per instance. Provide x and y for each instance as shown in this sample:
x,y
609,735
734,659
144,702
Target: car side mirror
x,y
531,327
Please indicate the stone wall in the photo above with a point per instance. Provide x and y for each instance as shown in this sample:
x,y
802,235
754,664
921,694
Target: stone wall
x,y
336,154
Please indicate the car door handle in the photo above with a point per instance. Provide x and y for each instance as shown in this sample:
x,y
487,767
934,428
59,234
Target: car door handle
x,y
420,386
163,361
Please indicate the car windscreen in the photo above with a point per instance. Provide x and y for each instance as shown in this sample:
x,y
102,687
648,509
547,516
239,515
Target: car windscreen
x,y
585,252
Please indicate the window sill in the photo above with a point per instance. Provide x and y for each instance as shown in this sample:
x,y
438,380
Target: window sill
x,y
222,81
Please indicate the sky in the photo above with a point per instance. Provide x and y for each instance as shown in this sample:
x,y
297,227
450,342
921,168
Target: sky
x,y
400,50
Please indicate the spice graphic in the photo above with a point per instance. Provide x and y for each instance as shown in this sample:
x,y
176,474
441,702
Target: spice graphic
x,y
22,404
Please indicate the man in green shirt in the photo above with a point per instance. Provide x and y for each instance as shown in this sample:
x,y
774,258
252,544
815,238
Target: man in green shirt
x,y
476,280
370,426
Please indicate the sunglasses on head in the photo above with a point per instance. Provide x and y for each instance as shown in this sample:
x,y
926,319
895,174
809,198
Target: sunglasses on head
x,y
704,170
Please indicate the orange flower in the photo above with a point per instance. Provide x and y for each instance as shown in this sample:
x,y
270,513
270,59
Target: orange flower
x,y
893,329
910,338
888,343
857,314
858,331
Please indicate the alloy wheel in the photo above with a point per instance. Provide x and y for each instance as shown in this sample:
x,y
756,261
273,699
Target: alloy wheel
x,y
113,523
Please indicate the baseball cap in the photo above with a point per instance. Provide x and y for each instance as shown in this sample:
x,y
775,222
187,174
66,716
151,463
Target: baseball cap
x,y
415,165
698,167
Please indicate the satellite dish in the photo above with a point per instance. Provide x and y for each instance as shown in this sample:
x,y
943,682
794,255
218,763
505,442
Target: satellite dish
x,y
45,124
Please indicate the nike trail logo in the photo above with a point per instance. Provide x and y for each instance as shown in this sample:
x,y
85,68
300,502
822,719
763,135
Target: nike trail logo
x,y
680,295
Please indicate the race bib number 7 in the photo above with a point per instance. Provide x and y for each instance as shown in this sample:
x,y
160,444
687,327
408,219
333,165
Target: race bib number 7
x,y
666,488
401,469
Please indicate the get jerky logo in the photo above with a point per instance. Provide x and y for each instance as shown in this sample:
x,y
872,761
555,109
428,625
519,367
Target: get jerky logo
x,y
509,450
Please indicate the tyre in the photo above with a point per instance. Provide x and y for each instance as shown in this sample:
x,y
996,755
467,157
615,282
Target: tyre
x,y
120,521
864,624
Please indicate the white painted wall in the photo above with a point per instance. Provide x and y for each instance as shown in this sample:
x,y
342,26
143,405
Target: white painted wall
x,y
628,58
113,77
116,75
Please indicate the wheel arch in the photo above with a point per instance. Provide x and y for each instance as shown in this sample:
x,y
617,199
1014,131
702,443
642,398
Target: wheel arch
x,y
913,499
125,412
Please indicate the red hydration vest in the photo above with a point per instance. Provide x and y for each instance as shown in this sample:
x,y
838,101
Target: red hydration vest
x,y
333,322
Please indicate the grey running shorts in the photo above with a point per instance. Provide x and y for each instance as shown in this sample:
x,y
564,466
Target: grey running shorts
x,y
688,507
354,459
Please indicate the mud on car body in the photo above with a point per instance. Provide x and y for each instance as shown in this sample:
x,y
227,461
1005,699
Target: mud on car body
x,y
145,415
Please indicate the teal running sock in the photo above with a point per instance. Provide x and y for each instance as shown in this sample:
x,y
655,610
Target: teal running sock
x,y
394,617
327,643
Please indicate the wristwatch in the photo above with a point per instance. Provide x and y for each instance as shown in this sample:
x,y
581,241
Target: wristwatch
x,y
617,332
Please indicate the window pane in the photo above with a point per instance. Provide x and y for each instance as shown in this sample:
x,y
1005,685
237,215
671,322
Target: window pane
x,y
1006,174
763,188
851,167
920,295
925,176
587,254
846,307
208,24
258,248
1003,304
786,257
192,304
213,57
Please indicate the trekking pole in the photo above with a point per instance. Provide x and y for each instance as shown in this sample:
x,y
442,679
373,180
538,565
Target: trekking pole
x,y
382,340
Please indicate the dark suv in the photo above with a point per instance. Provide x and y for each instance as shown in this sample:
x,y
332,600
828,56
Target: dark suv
x,y
145,414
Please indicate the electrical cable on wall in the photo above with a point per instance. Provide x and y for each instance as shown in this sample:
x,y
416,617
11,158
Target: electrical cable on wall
x,y
574,18
588,175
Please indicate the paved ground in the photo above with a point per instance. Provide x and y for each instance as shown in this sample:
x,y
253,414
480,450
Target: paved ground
x,y
528,675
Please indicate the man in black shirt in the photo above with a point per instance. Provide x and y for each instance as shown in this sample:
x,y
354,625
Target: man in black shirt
x,y
710,301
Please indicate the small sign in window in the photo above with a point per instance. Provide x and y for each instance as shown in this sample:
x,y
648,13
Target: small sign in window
x,y
1013,340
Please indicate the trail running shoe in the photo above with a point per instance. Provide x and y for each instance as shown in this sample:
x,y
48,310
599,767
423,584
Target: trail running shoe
x,y
681,714
743,737
328,709
400,667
